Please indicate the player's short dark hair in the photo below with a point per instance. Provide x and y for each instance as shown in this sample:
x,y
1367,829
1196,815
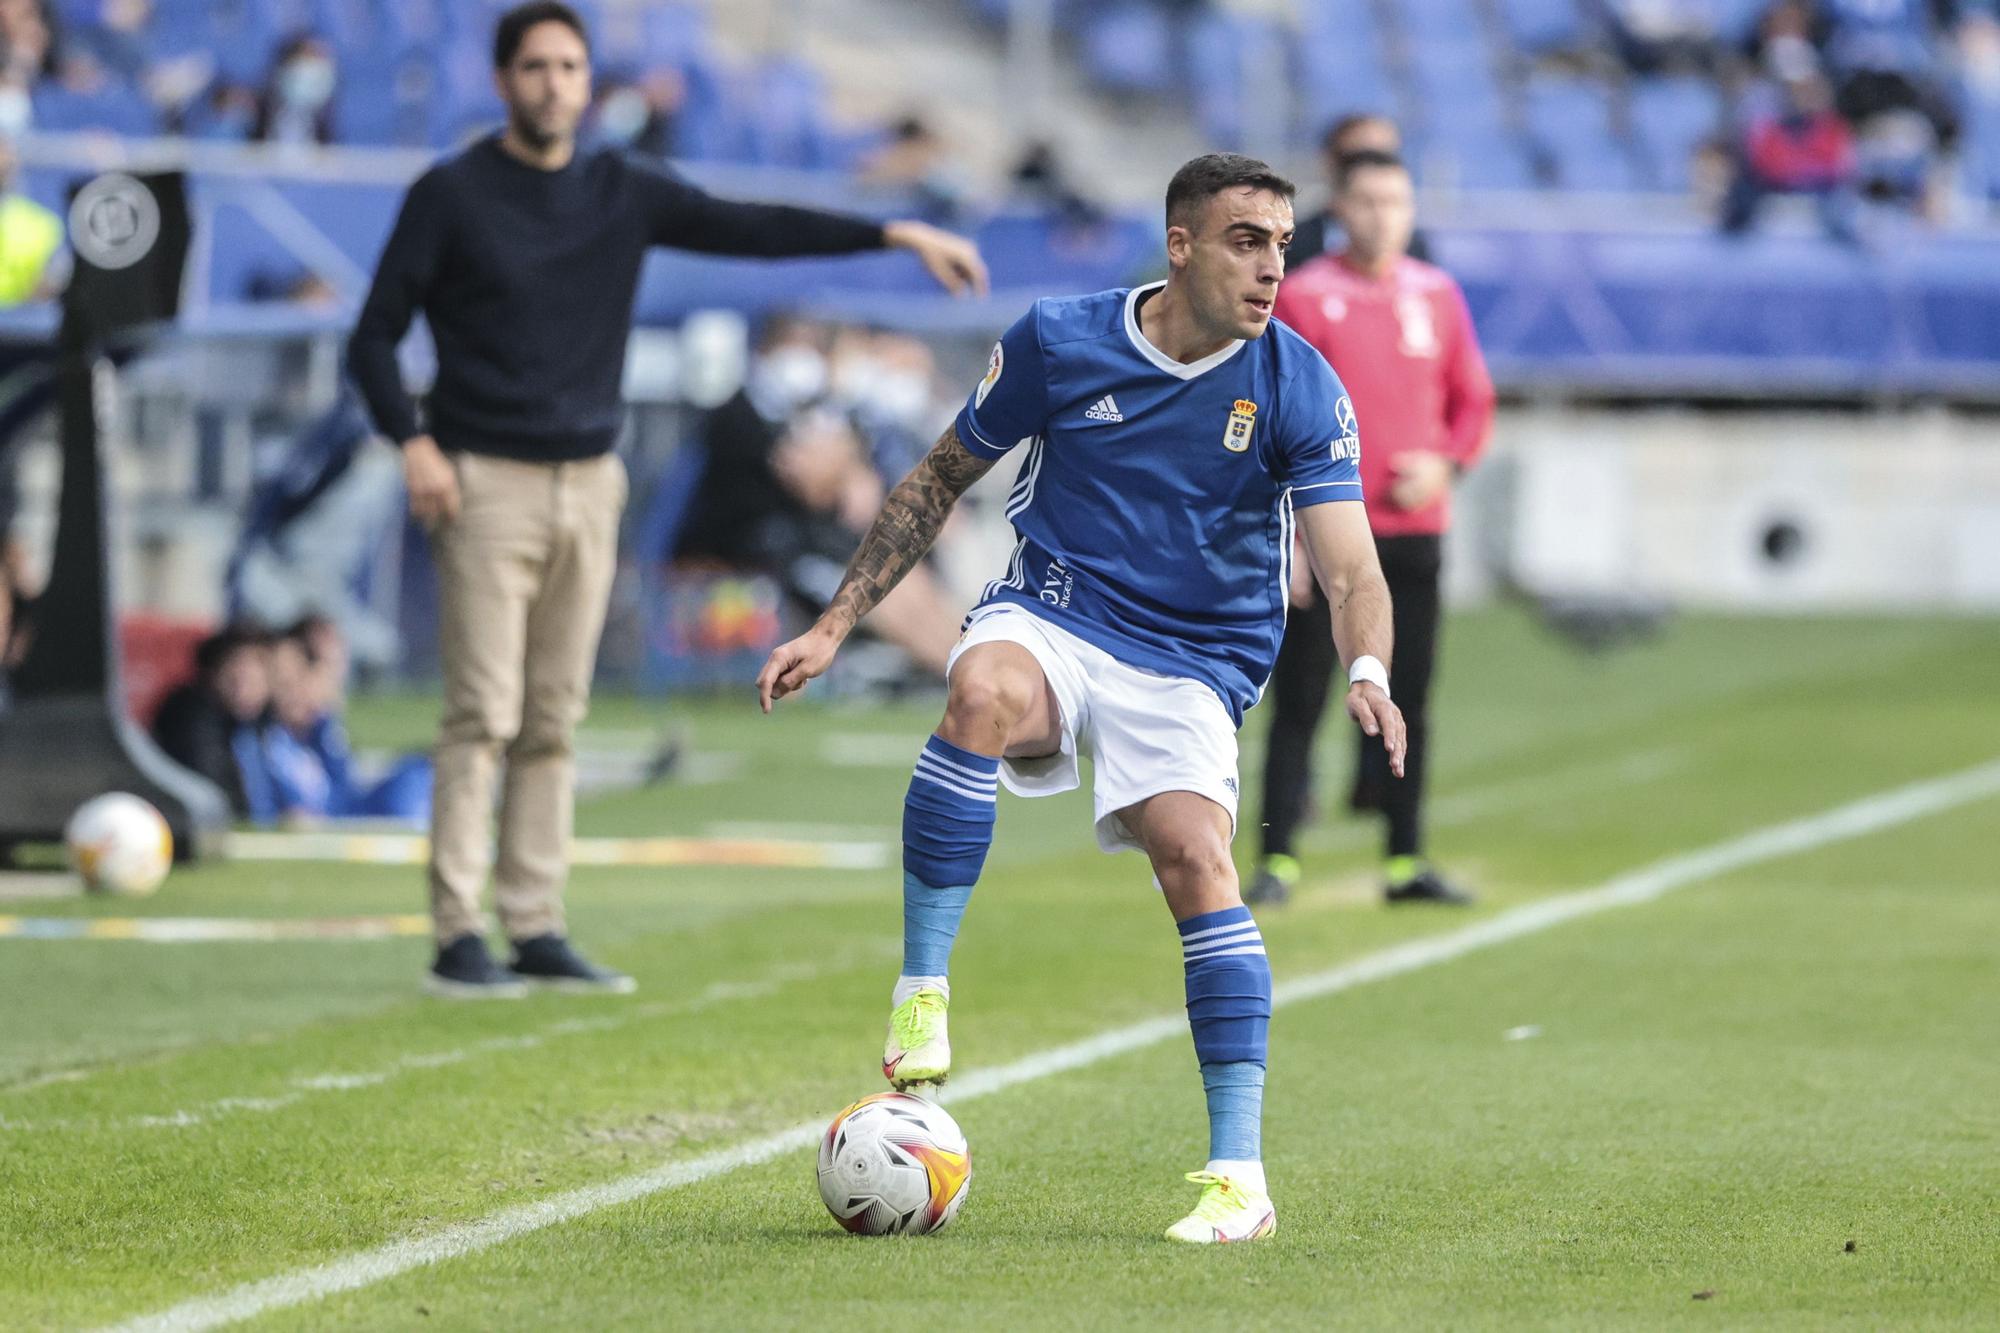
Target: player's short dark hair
x,y
1349,163
514,24
1202,179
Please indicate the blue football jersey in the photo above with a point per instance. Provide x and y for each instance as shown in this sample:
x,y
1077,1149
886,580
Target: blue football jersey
x,y
1154,505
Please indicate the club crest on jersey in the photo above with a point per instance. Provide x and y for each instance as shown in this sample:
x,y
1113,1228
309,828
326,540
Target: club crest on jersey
x,y
1236,438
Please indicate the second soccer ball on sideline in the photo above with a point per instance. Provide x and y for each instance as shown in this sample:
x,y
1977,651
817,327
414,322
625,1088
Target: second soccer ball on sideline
x,y
893,1164
119,843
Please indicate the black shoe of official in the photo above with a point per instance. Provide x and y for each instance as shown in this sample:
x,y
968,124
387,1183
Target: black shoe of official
x,y
1271,886
548,960
1427,886
465,971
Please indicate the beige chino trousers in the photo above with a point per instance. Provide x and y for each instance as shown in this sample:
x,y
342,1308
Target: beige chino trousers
x,y
524,579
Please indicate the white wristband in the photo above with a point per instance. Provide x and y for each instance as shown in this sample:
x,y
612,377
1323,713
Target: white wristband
x,y
1371,670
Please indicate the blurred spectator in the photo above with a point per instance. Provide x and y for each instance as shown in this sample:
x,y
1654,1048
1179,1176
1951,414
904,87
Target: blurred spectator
x,y
1800,147
296,766
1786,20
641,113
1356,132
27,49
116,41
887,382
1882,55
295,105
915,160
197,723
1039,178
787,488
1664,36
326,647
31,239
738,495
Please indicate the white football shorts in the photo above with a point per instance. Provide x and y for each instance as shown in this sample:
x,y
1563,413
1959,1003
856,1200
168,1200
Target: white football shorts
x,y
1145,733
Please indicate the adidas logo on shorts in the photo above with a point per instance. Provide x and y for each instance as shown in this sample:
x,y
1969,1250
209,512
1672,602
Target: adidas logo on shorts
x,y
1103,410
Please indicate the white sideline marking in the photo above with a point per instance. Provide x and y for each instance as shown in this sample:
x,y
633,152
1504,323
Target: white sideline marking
x,y
1869,815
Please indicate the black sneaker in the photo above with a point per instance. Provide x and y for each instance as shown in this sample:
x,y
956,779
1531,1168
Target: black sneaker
x,y
465,971
1272,884
548,960
1427,887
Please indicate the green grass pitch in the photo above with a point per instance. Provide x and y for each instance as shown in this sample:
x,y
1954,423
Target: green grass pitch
x,y
1766,1100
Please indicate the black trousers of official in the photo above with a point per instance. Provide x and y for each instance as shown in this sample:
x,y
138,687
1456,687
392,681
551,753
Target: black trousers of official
x,y
1298,694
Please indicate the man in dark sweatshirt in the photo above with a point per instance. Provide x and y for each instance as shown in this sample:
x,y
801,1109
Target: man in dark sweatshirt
x,y
523,252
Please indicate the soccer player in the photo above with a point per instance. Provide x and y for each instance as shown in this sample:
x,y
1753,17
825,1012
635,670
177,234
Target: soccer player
x,y
1398,332
524,253
1174,434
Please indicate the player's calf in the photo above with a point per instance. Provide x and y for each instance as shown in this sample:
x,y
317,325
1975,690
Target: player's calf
x,y
947,829
1229,1011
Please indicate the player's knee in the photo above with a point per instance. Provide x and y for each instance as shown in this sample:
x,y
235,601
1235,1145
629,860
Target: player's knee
x,y
1193,858
984,706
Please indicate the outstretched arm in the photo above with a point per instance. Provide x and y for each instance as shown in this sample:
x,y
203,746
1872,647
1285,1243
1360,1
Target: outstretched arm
x,y
686,216
901,536
1343,556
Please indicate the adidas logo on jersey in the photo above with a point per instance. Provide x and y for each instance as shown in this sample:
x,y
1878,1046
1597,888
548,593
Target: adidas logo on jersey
x,y
1103,410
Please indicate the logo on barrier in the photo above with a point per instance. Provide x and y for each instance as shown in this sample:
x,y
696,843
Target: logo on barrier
x,y
114,222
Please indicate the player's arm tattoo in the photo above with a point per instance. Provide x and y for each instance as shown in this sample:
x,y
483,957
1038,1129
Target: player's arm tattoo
x,y
906,527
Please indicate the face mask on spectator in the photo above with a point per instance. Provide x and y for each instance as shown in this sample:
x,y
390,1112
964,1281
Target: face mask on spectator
x,y
306,84
855,376
16,111
902,397
622,115
788,377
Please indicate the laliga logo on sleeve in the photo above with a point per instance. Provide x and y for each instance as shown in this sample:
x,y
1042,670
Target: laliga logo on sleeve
x,y
1236,438
1348,444
992,377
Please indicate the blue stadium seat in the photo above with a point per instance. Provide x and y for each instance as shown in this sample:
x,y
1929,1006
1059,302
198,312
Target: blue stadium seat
x,y
1543,25
1441,23
1129,48
116,110
1340,65
1735,20
1473,155
1570,120
389,102
1670,118
1455,78
787,130
1223,53
675,33
1982,146
710,127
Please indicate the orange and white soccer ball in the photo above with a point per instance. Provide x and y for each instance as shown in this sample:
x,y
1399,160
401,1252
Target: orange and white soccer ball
x,y
893,1164
119,844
